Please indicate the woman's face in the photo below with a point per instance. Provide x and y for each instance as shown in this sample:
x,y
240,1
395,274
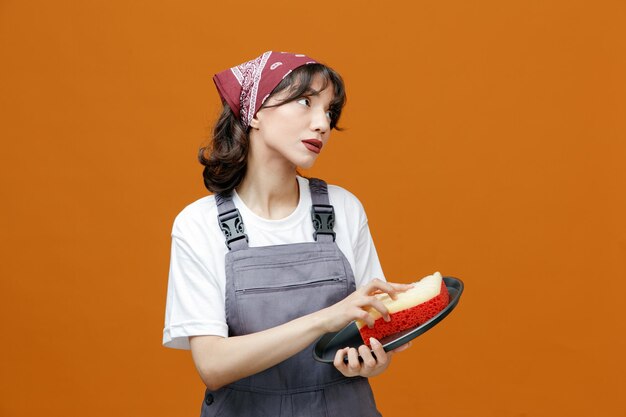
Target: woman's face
x,y
293,132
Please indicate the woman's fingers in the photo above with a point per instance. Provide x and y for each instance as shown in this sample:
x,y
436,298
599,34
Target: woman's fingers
x,y
357,304
339,363
378,305
365,316
377,284
399,288
381,356
390,288
354,366
375,360
374,287
369,362
365,361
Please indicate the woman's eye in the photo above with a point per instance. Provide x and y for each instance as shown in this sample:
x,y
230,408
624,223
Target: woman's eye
x,y
304,101
329,114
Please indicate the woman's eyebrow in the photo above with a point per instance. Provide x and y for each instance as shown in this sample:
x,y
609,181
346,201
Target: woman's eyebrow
x,y
311,92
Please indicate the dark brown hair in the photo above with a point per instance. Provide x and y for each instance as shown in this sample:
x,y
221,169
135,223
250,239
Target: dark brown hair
x,y
225,158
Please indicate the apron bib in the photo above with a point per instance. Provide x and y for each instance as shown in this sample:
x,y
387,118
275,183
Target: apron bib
x,y
269,286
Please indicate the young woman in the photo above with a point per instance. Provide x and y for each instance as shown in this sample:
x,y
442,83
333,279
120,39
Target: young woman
x,y
272,261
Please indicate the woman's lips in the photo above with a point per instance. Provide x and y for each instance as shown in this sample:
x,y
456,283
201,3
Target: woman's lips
x,y
314,145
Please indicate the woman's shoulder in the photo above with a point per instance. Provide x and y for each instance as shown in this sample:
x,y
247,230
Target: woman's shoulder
x,y
344,199
348,209
340,195
196,215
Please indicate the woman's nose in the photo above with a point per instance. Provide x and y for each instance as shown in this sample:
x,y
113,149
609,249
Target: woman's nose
x,y
320,121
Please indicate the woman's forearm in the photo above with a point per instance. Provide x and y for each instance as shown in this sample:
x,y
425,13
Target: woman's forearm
x,y
221,361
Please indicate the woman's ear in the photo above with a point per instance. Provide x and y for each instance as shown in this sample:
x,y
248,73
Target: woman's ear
x,y
254,123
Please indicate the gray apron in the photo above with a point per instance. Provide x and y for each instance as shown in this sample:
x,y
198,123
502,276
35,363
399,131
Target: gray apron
x,y
271,285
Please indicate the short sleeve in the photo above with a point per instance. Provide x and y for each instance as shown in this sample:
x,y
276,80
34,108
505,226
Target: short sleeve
x,y
195,301
367,264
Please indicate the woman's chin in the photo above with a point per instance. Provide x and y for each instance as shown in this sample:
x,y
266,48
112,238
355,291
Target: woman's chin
x,y
307,164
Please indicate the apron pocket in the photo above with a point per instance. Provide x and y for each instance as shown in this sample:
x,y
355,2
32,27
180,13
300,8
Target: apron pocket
x,y
264,307
286,270
287,287
278,288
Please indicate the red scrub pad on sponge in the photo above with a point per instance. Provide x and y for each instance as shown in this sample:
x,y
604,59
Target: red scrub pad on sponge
x,y
411,308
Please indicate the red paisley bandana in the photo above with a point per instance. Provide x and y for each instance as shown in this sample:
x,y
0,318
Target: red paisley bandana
x,y
246,86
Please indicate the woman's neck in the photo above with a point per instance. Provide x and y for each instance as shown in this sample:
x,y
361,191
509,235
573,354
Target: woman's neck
x,y
269,192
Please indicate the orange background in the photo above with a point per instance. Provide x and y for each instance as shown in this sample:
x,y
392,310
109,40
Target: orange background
x,y
486,140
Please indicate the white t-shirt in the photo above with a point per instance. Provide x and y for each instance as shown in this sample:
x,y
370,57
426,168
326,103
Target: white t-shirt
x,y
197,278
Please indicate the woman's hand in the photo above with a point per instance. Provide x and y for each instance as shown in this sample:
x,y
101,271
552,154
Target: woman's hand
x,y
354,306
371,365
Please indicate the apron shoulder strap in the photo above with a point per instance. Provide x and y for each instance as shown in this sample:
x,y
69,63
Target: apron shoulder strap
x,y
322,216
322,213
231,223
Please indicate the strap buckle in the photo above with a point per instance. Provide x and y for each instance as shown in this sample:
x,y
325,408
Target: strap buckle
x,y
231,224
323,216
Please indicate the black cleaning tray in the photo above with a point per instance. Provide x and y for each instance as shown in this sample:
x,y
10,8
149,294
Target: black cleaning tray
x,y
328,345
